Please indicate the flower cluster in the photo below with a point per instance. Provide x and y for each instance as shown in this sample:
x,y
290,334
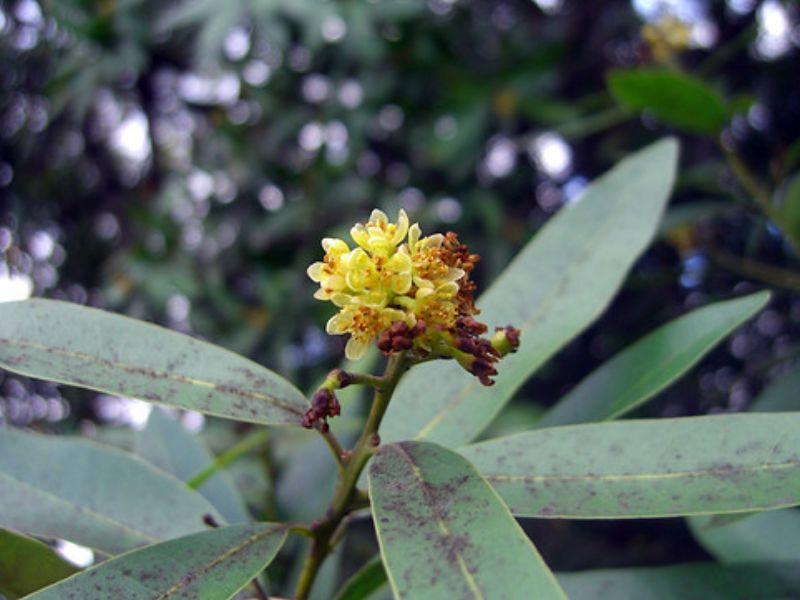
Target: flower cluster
x,y
666,38
411,293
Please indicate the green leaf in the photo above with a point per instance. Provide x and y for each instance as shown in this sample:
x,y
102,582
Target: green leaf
x,y
27,565
764,536
110,353
676,98
699,581
166,444
96,496
212,564
648,468
364,583
791,206
444,533
650,364
558,284
781,395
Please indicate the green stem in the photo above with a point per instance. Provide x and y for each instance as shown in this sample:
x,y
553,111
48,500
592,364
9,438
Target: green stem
x,y
365,379
760,195
345,498
774,276
245,445
335,447
752,186
599,121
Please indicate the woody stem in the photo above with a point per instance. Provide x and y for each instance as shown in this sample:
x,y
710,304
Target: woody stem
x,y
345,498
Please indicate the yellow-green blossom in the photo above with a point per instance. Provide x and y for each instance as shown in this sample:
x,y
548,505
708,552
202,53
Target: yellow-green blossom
x,y
667,37
409,291
385,279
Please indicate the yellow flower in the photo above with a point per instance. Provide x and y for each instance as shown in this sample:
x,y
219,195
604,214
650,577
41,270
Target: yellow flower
x,y
413,293
667,37
378,236
330,273
363,323
394,277
365,281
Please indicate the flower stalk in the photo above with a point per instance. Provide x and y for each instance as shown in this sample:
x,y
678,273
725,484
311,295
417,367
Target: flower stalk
x,y
346,497
413,297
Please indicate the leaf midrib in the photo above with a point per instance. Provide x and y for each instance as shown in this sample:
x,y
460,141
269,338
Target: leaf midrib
x,y
148,372
440,523
82,509
232,551
767,467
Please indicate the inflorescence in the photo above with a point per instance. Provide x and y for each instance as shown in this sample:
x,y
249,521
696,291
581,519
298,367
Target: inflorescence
x,y
410,293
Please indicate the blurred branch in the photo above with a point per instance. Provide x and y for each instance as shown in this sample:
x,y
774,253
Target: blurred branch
x,y
774,276
727,50
591,124
245,445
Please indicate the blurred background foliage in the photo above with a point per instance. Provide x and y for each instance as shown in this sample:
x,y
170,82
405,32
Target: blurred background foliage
x,y
180,161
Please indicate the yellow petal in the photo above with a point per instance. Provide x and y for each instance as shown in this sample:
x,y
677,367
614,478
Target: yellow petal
x,y
334,246
402,227
335,283
393,314
414,233
339,323
432,241
315,271
356,347
360,235
447,289
358,260
400,263
341,300
424,292
455,274
380,245
422,283
401,283
378,217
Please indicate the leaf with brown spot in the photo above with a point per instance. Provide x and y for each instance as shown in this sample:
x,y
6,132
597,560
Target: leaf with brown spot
x,y
444,533
102,351
212,564
696,581
647,468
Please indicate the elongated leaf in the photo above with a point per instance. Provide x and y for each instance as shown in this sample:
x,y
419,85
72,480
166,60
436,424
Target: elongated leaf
x,y
555,287
648,468
166,444
676,98
366,583
703,581
212,564
649,365
444,533
697,581
102,351
96,496
783,394
767,536
27,565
